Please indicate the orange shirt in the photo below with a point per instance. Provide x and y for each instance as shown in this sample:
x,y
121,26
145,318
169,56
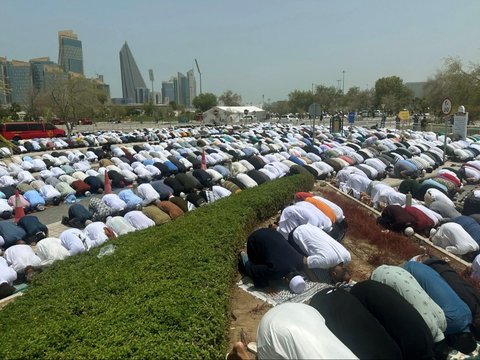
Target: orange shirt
x,y
323,207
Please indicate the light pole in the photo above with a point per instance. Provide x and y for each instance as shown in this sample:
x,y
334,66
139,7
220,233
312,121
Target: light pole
x,y
343,83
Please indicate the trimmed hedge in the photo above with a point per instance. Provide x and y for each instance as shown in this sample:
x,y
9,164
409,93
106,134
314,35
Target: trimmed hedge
x,y
164,293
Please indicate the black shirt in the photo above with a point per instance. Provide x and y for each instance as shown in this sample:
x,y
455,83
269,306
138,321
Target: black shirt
x,y
271,257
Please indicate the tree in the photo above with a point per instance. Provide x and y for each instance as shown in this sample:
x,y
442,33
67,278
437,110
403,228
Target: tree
x,y
74,99
229,98
329,97
280,107
356,99
299,101
460,85
205,101
148,108
392,92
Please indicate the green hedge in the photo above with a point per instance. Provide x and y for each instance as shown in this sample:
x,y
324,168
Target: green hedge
x,y
164,293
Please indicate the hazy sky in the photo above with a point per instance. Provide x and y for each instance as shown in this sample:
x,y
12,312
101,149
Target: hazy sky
x,y
268,47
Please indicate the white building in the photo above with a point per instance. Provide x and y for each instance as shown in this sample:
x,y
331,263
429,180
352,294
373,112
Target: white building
x,y
233,114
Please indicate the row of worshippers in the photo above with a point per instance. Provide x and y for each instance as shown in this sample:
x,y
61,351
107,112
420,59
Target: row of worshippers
x,y
65,174
110,216
28,248
304,241
420,310
84,139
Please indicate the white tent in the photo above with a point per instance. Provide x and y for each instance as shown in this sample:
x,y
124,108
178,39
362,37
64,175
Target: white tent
x,y
233,114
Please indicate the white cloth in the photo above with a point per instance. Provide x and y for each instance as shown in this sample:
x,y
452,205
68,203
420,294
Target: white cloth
x,y
18,257
298,331
247,181
453,237
301,213
138,220
119,225
96,232
147,193
432,195
380,193
7,274
50,249
7,180
25,177
357,183
75,241
323,252
114,201
220,192
48,192
5,206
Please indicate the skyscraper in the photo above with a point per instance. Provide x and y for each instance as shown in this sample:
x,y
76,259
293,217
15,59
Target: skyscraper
x,y
182,89
4,88
19,76
70,55
133,86
192,88
168,92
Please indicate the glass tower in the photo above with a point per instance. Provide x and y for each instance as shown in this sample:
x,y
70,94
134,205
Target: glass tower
x,y
4,88
133,86
19,75
70,55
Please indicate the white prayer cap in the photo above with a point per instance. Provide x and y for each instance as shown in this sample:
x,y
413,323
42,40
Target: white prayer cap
x,y
417,258
433,232
409,231
297,284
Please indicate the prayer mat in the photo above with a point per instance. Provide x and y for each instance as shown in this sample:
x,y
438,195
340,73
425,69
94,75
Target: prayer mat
x,y
457,355
283,293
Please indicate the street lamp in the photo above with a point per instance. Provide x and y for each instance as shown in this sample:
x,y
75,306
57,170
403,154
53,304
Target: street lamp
x,y
343,83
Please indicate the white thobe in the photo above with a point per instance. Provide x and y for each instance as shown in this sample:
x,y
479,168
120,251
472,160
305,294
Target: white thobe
x,y
147,193
119,225
114,201
299,214
18,257
75,241
138,220
323,252
50,249
453,237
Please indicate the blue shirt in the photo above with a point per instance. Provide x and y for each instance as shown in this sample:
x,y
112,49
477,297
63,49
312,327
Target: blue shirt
x,y
34,198
130,198
222,170
171,166
11,233
471,226
458,314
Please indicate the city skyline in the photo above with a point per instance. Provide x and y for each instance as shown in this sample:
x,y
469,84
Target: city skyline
x,y
269,48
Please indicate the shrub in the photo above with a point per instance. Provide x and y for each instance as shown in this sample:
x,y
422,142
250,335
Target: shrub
x,y
164,293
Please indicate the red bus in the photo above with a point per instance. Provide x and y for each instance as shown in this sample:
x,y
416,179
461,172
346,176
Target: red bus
x,y
29,130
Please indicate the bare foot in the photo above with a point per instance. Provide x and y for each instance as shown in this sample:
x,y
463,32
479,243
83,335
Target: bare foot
x,y
239,352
